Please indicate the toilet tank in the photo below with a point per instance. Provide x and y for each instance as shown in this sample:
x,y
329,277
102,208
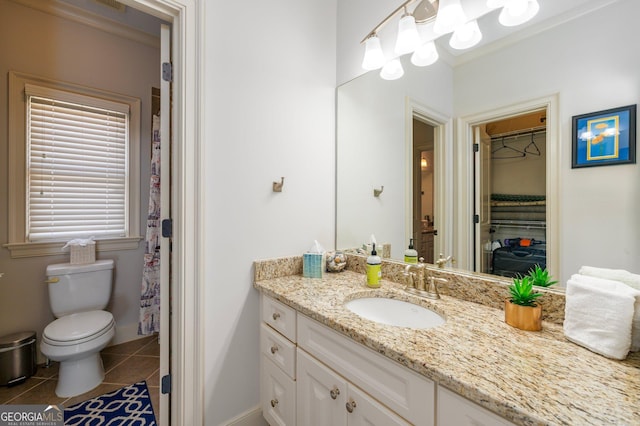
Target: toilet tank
x,y
79,288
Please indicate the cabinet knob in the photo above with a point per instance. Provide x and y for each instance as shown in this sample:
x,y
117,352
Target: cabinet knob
x,y
351,405
274,349
275,316
334,392
274,402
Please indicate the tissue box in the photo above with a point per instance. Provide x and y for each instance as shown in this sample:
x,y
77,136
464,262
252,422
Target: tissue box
x,y
81,254
313,265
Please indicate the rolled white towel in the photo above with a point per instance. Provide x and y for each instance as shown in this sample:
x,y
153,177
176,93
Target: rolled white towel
x,y
621,275
599,315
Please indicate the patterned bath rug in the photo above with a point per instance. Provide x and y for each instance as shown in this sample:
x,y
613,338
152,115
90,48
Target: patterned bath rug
x,y
127,406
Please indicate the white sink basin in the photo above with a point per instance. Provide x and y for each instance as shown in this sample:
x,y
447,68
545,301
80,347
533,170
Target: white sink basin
x,y
395,312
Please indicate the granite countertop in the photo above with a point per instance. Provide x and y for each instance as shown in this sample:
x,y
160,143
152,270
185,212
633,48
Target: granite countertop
x,y
530,378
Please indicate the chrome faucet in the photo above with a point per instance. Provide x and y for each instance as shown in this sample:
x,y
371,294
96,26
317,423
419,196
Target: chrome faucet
x,y
419,283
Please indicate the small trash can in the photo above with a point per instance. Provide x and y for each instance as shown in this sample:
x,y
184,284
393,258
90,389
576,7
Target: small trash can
x,y
17,357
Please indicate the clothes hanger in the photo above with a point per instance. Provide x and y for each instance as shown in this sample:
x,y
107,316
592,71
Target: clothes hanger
x,y
507,152
529,150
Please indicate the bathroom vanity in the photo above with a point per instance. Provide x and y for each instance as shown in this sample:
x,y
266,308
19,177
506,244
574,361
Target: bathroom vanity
x,y
323,364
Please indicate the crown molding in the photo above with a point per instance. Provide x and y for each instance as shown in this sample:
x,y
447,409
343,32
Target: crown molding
x,y
73,13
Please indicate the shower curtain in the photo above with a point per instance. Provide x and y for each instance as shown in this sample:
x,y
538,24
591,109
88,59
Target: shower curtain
x,y
149,320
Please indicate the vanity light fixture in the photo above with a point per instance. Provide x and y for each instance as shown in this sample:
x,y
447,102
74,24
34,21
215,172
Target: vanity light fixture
x,y
516,12
392,70
445,16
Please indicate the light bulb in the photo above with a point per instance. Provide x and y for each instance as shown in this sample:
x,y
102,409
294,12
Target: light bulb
x,y
373,56
466,36
392,70
516,12
450,15
408,37
424,55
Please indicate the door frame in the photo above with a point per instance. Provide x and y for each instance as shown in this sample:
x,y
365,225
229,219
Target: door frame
x,y
442,177
464,241
187,368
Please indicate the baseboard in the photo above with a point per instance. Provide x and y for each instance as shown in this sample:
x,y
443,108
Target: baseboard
x,y
251,417
125,333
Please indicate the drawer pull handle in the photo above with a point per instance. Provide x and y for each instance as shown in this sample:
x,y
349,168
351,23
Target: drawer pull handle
x,y
274,349
274,402
334,393
275,316
351,405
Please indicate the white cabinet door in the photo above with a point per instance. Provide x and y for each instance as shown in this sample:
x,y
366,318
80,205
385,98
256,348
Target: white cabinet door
x,y
321,394
366,411
278,395
455,410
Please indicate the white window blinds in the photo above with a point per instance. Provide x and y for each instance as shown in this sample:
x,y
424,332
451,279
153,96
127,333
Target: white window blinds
x,y
76,166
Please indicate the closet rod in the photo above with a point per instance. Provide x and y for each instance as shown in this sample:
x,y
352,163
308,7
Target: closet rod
x,y
532,131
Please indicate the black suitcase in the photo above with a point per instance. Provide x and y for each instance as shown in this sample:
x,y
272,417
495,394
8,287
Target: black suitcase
x,y
518,261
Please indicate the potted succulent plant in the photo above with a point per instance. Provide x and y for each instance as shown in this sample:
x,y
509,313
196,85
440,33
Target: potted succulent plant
x,y
540,277
521,310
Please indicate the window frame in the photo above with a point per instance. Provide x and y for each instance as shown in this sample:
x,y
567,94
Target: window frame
x,y
18,244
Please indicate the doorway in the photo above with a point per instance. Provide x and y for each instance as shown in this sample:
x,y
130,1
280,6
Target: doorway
x,y
510,199
465,246
424,191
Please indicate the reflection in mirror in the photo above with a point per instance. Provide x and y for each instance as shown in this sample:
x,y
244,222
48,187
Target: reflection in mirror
x,y
511,195
375,133
591,212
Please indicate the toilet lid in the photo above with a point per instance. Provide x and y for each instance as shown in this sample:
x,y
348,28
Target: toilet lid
x,y
78,326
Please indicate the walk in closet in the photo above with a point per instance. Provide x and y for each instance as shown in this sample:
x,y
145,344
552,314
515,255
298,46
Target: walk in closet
x,y
517,234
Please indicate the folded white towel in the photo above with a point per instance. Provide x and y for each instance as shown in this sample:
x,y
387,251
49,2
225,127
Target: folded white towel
x,y
612,274
629,279
599,315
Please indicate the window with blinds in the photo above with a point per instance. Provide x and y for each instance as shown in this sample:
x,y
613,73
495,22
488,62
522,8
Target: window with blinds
x,y
76,166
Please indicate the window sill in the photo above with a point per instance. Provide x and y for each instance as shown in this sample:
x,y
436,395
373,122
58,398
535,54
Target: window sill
x,y
55,248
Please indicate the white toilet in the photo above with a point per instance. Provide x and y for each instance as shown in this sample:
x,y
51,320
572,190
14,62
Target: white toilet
x,y
77,295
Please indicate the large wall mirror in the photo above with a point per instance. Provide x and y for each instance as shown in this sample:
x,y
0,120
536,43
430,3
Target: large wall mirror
x,y
593,210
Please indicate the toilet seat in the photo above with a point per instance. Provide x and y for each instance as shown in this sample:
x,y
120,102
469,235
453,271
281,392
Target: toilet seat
x,y
78,328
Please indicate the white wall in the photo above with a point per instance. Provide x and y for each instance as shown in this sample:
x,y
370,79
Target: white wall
x,y
592,63
269,112
37,43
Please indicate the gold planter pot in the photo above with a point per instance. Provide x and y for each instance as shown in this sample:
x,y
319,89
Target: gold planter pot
x,y
527,318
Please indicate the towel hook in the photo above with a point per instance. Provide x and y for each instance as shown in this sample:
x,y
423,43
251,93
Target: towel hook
x,y
277,186
377,192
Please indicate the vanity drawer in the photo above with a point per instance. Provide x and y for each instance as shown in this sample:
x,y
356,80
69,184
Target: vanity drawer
x,y
278,349
280,317
409,394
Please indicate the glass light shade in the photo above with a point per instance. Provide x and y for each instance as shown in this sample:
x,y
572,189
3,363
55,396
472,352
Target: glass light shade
x,y
408,38
392,70
516,12
373,56
494,4
424,55
450,15
466,36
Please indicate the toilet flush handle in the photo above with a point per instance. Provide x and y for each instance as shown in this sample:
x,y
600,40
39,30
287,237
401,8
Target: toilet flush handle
x,y
52,280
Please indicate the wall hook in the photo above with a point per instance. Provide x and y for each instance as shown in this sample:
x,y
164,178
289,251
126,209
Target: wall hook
x,y
277,186
377,192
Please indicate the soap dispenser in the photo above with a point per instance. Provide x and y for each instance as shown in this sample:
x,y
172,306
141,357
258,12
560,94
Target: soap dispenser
x,y
374,268
410,254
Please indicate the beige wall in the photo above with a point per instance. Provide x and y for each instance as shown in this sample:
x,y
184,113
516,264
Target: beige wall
x,y
41,44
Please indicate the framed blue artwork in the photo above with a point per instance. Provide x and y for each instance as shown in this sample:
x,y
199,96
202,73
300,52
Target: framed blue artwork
x,y
604,138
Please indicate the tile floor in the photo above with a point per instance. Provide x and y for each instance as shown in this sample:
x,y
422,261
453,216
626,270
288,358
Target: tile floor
x,y
124,364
